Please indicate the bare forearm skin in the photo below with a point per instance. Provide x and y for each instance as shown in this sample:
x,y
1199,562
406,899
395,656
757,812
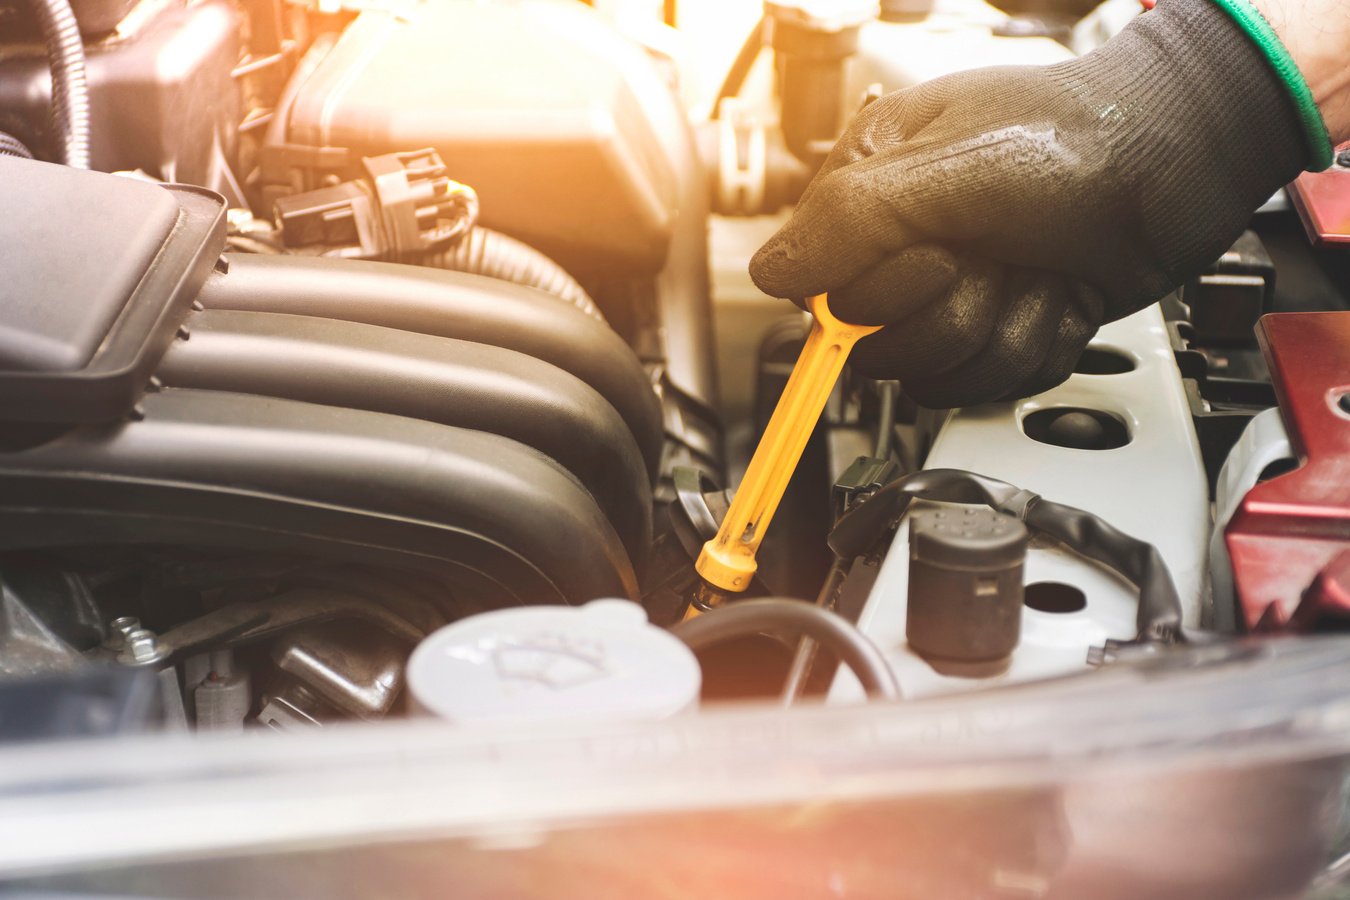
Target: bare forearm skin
x,y
1317,35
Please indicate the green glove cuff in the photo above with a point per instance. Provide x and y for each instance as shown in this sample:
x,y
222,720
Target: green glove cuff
x,y
1250,20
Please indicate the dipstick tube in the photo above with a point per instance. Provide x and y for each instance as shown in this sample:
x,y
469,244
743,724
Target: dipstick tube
x,y
728,560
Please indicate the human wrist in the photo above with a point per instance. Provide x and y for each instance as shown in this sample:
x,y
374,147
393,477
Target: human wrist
x,y
1316,34
1274,44
1190,75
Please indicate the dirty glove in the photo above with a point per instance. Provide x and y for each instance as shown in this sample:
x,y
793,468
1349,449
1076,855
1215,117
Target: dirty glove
x,y
994,219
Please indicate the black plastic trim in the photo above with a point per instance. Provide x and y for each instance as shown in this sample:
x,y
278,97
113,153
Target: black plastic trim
x,y
109,385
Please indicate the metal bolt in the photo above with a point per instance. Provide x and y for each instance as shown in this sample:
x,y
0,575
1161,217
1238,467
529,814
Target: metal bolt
x,y
119,628
141,648
125,625
141,645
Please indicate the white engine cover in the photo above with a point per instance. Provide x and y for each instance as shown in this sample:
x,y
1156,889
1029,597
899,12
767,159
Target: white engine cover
x,y
1153,488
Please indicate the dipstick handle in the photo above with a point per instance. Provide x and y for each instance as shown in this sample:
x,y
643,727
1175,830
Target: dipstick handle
x,y
728,560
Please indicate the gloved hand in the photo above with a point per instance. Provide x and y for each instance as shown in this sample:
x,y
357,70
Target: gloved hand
x,y
994,219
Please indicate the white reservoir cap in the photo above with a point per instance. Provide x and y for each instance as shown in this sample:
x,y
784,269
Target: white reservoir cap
x,y
540,663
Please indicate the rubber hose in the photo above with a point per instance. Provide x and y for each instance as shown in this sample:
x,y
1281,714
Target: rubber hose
x,y
741,65
486,252
1159,616
70,86
887,394
795,618
12,146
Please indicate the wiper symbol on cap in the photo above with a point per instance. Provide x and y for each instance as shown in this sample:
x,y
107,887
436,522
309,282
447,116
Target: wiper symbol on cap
x,y
553,660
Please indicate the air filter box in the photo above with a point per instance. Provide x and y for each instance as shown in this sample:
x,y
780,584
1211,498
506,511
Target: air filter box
x,y
567,130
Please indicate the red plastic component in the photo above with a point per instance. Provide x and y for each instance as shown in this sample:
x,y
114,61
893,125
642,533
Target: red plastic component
x,y
1288,530
1323,203
1328,597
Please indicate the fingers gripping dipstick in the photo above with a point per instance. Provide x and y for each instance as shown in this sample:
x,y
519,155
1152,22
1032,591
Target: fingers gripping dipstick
x,y
728,560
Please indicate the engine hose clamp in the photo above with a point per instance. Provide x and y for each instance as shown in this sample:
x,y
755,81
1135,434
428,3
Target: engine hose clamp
x,y
1019,504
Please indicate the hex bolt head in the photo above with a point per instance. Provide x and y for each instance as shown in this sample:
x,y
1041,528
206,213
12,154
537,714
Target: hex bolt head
x,y
141,648
141,645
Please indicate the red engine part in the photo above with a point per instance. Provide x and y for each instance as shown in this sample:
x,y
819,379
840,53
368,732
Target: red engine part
x,y
1288,531
1323,203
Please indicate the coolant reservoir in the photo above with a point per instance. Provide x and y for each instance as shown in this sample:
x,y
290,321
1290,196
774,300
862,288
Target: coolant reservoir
x,y
956,35
546,663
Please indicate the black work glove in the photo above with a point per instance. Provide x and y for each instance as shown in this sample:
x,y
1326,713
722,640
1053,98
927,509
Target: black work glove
x,y
995,218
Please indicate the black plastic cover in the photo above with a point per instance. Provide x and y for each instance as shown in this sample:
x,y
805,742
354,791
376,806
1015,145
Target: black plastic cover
x,y
161,99
970,539
99,271
82,244
95,17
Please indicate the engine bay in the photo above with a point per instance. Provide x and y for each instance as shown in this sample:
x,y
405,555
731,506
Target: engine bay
x,y
368,397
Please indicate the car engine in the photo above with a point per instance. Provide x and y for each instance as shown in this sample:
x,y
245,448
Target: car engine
x,y
372,373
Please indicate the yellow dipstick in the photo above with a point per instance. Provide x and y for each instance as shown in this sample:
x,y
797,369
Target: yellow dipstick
x,y
728,560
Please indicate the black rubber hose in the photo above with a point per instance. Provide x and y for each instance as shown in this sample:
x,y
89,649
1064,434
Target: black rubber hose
x,y
887,394
1159,617
454,305
70,86
486,252
795,618
12,146
741,65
